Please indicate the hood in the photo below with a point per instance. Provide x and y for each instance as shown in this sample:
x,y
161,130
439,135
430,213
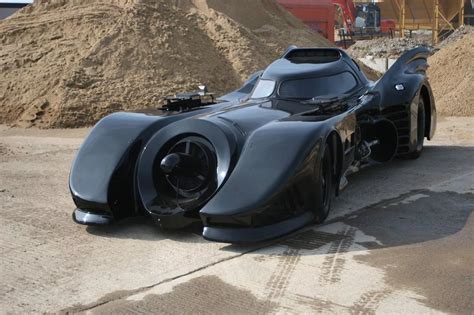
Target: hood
x,y
249,116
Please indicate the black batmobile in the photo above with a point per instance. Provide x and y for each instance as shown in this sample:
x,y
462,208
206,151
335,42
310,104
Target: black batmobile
x,y
261,161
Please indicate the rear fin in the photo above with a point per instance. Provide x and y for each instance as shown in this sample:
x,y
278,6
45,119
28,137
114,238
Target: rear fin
x,y
402,81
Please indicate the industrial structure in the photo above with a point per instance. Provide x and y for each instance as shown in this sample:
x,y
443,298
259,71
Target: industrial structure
x,y
438,16
324,16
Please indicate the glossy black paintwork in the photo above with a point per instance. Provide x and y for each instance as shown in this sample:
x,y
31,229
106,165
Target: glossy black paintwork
x,y
268,151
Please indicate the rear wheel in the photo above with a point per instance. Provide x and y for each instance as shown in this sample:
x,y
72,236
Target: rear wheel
x,y
324,189
420,131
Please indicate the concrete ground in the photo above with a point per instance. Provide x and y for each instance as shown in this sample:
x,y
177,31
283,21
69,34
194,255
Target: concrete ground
x,y
400,239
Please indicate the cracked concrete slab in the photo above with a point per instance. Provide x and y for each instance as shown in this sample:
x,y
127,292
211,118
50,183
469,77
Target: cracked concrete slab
x,y
399,239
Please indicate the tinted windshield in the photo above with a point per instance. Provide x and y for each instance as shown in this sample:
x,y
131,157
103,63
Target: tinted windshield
x,y
263,89
308,88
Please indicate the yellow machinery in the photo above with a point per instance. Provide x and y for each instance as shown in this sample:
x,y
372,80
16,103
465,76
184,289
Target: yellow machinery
x,y
434,15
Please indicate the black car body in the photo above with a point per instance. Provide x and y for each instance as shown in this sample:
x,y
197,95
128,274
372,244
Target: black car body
x,y
261,161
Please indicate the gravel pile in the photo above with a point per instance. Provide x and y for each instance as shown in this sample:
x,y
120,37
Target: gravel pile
x,y
458,34
385,47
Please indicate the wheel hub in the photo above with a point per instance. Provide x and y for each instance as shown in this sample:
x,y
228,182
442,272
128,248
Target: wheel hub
x,y
187,174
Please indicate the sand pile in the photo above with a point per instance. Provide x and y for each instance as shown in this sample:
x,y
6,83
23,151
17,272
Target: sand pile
x,y
458,34
451,76
67,63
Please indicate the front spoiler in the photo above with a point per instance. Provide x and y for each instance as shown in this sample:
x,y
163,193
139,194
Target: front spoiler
x,y
233,235
85,217
257,234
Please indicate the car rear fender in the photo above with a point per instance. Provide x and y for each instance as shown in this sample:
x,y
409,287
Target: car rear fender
x,y
403,80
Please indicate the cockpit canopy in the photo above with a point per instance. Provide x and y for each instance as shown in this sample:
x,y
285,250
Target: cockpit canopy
x,y
305,73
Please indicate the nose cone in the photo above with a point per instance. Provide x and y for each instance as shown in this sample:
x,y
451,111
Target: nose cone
x,y
169,163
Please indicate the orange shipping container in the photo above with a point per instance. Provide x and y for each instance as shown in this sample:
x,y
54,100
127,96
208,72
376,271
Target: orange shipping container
x,y
317,14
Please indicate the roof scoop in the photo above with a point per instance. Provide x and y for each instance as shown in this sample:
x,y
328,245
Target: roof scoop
x,y
312,55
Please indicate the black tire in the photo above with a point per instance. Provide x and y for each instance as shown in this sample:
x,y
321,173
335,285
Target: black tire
x,y
324,189
421,125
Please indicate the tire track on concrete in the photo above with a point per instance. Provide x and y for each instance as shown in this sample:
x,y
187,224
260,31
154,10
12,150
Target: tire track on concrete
x,y
334,263
309,240
317,304
279,280
369,302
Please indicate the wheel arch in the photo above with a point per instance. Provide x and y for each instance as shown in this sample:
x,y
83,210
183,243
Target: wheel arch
x,y
334,142
425,96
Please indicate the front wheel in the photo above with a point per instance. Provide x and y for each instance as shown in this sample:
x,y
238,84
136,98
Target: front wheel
x,y
324,189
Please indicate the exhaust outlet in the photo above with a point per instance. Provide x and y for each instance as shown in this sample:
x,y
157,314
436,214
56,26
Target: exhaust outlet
x,y
382,138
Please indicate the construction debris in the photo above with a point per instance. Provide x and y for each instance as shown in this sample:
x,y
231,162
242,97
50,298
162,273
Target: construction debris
x,y
458,34
385,47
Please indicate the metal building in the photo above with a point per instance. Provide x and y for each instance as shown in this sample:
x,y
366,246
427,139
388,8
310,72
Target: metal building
x,y
438,16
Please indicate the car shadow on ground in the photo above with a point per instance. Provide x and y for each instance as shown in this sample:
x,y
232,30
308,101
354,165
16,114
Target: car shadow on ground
x,y
413,218
142,228
416,216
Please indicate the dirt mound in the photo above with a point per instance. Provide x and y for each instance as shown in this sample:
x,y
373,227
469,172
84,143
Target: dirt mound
x,y
451,76
458,34
370,73
67,63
